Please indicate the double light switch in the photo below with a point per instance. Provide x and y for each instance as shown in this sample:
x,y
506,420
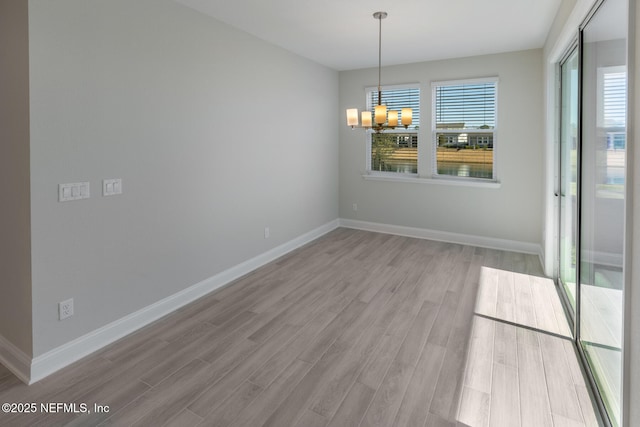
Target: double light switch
x,y
111,187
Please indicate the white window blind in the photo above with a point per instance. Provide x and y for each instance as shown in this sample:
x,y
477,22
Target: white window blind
x,y
615,104
465,106
397,99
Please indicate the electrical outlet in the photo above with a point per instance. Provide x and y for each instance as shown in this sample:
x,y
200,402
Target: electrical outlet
x,y
65,309
267,233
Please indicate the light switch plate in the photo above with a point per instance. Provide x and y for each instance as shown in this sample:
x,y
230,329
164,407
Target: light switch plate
x,y
111,187
73,191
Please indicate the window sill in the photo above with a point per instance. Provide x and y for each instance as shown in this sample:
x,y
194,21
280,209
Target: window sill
x,y
416,179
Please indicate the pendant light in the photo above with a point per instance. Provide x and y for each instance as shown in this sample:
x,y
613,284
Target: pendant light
x,y
381,119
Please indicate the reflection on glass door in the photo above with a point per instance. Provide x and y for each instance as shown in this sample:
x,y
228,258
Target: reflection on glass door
x,y
602,166
568,175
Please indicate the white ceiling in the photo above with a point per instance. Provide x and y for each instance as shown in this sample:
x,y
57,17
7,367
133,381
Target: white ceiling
x,y
343,35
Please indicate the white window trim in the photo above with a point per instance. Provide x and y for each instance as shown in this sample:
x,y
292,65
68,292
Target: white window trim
x,y
391,87
494,131
417,179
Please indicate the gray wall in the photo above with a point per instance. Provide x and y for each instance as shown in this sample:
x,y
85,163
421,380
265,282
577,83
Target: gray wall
x,y
214,133
15,241
512,211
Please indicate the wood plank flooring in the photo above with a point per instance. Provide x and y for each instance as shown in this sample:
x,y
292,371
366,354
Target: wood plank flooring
x,y
354,329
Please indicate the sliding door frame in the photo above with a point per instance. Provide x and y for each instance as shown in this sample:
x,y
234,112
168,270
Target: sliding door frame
x,y
586,367
599,400
572,314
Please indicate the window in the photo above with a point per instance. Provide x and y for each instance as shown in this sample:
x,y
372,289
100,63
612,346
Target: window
x,y
464,128
395,150
611,108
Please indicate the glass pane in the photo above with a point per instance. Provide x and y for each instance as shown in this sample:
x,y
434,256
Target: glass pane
x,y
394,152
466,106
465,119
569,176
465,154
602,198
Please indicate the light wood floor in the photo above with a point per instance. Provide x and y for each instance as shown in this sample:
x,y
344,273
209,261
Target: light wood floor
x,y
354,329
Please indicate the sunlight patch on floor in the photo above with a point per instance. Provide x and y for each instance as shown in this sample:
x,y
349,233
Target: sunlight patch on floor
x,y
522,368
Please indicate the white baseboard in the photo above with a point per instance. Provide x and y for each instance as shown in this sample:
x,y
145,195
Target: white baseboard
x,y
445,236
32,370
608,259
14,359
62,356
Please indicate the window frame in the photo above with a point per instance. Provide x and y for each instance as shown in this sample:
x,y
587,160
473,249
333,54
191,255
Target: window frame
x,y
435,131
398,130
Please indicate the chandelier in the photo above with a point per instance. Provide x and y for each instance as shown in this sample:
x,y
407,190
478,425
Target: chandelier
x,y
381,119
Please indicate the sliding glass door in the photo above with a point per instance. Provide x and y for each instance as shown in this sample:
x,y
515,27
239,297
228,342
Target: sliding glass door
x,y
568,187
592,171
602,198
